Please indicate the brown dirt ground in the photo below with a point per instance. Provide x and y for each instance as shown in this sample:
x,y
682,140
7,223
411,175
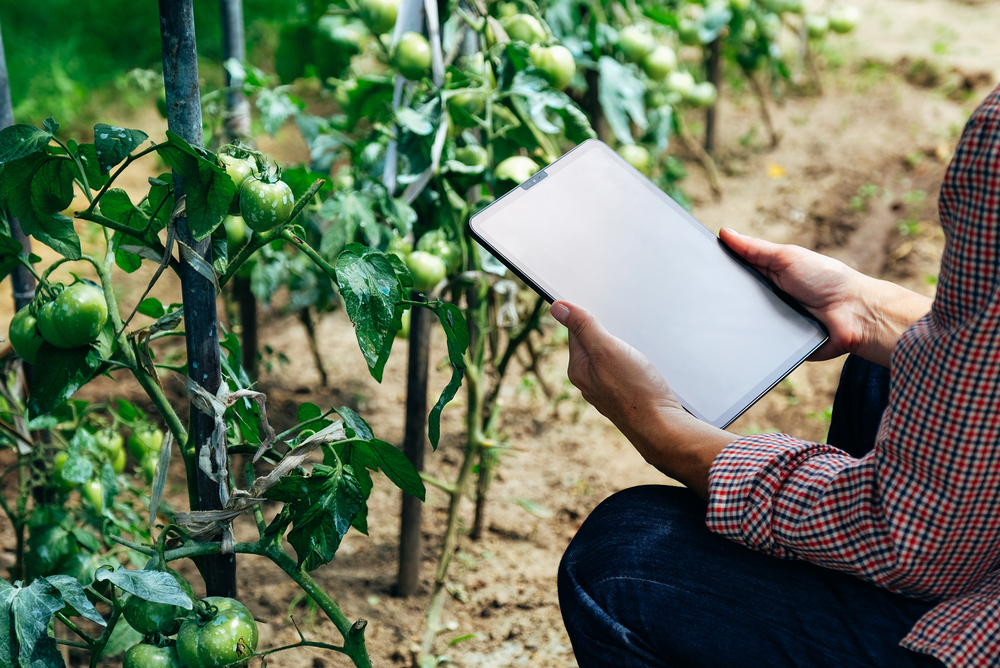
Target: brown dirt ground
x,y
894,100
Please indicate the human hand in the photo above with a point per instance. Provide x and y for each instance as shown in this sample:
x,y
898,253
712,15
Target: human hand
x,y
864,315
827,288
626,388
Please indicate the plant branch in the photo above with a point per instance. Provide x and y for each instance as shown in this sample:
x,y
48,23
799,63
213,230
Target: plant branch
x,y
76,629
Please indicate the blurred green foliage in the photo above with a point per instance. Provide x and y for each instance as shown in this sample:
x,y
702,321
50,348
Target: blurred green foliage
x,y
68,58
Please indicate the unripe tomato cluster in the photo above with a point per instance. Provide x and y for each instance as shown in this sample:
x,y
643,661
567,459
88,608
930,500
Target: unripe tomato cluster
x,y
264,202
73,319
219,633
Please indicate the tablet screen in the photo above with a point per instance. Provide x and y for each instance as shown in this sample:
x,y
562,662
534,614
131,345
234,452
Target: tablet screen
x,y
592,230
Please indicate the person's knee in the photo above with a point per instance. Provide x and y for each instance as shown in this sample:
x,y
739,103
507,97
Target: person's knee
x,y
624,527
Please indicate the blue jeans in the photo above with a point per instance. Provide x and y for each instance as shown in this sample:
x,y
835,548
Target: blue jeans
x,y
644,583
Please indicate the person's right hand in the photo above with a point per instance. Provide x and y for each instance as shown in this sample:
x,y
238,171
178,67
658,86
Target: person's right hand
x,y
864,315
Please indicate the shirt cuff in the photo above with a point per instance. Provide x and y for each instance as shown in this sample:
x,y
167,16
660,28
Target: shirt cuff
x,y
743,482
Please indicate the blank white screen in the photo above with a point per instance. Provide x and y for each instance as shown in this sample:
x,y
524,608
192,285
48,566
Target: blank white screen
x,y
596,233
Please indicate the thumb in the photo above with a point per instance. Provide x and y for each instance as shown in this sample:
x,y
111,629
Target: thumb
x,y
580,322
758,252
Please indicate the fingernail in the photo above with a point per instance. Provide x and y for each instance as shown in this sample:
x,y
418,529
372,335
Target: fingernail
x,y
732,231
560,312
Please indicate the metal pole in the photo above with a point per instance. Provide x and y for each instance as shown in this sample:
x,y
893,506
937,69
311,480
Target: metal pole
x,y
21,279
414,444
180,76
714,75
238,127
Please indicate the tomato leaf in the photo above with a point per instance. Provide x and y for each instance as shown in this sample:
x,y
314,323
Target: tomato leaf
x,y
18,141
109,488
356,423
276,106
57,374
371,99
24,620
457,333
397,468
96,176
370,290
152,308
377,455
159,203
116,205
550,110
337,454
72,592
78,468
208,188
349,212
9,250
154,586
114,144
321,507
35,189
621,94
421,120
308,412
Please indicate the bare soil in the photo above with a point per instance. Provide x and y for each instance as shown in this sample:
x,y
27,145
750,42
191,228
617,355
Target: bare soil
x,y
855,175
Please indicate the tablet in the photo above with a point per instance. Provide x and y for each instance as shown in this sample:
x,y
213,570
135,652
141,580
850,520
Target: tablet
x,y
592,230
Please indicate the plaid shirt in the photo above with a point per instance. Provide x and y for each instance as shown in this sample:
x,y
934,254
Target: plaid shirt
x,y
920,514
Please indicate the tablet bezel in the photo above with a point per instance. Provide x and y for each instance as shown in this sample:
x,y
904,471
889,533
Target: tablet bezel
x,y
539,286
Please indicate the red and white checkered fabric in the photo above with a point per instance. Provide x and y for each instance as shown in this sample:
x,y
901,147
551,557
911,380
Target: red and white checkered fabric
x,y
920,514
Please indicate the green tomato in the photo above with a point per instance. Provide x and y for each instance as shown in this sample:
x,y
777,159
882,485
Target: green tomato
x,y
265,206
58,463
399,247
659,63
525,28
93,492
817,25
506,10
844,19
228,637
556,62
236,233
151,656
404,328
436,242
239,170
516,168
703,94
681,82
465,107
110,441
472,155
428,270
75,317
23,335
635,155
687,31
145,440
635,43
118,463
147,617
413,55
380,14
148,466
